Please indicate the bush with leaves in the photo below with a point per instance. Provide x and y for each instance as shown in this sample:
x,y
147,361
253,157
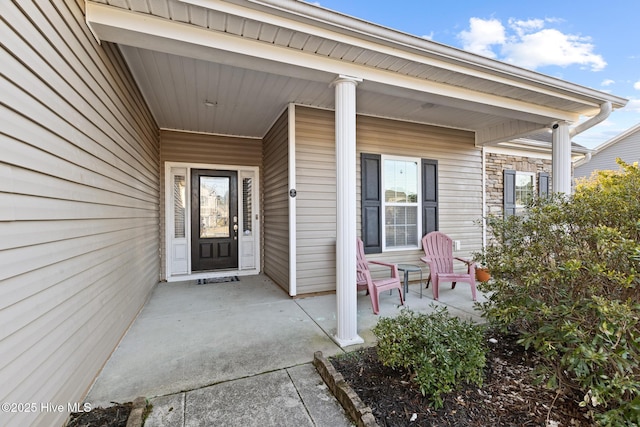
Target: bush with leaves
x,y
439,351
566,274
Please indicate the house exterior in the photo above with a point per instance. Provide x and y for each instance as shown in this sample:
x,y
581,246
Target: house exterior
x,y
625,146
518,170
186,139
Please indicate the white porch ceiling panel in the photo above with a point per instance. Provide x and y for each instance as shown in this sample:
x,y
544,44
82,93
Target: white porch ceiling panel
x,y
238,101
252,57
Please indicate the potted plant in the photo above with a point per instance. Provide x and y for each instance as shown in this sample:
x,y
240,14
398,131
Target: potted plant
x,y
482,271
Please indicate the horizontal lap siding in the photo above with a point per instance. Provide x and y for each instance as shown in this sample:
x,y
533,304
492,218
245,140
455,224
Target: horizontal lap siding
x,y
79,197
459,181
627,149
459,176
187,147
315,201
276,203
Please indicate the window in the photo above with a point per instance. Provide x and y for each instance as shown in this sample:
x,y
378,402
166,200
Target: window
x,y
525,190
399,201
400,178
247,205
520,189
179,182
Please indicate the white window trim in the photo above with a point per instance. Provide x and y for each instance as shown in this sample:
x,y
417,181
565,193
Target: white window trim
x,y
383,218
169,276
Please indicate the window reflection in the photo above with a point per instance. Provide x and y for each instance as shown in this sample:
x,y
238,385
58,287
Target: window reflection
x,y
214,206
400,180
525,190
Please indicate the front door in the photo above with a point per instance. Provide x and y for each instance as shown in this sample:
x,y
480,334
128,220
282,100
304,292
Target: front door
x,y
214,219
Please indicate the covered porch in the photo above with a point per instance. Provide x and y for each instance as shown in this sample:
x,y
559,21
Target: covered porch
x,y
112,107
243,69
195,342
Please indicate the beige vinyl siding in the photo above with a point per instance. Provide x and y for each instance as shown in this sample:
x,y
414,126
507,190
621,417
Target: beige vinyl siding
x,y
316,200
459,176
188,147
459,186
276,203
79,194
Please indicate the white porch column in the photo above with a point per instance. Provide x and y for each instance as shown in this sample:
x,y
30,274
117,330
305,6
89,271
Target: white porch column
x,y
561,159
346,294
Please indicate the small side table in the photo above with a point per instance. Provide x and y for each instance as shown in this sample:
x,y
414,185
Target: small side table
x,y
410,268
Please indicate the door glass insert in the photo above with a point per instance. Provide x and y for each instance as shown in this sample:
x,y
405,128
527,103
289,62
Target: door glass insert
x,y
214,206
247,205
179,206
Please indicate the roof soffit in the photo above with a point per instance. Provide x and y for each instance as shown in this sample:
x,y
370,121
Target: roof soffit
x,y
354,31
348,49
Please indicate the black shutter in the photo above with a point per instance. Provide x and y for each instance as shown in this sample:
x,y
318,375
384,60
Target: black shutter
x,y
371,202
543,184
429,196
509,192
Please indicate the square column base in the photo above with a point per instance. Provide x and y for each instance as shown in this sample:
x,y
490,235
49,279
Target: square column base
x,y
346,343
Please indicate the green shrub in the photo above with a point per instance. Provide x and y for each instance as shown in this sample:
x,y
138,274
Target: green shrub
x,y
438,350
567,275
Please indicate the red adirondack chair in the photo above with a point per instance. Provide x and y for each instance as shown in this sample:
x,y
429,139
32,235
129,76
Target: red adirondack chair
x,y
438,251
375,287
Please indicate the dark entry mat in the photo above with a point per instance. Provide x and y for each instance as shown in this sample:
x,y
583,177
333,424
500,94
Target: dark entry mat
x,y
218,280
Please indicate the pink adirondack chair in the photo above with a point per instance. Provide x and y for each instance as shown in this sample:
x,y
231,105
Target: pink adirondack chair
x,y
375,287
438,251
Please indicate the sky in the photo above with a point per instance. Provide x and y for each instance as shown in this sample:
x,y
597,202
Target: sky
x,y
593,44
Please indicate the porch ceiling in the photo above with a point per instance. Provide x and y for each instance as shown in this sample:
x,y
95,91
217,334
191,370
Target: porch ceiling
x,y
248,59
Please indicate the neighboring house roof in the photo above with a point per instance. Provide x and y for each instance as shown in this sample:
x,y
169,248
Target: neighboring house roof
x,y
231,67
625,146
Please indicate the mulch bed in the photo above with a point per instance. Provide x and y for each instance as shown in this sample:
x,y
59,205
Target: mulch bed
x,y
508,396
112,416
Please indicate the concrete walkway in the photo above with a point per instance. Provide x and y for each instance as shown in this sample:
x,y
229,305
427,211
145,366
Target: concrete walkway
x,y
239,353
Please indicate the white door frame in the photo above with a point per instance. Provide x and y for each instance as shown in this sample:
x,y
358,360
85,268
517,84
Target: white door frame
x,y
248,243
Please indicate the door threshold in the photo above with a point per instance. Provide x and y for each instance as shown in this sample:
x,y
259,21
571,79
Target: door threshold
x,y
212,275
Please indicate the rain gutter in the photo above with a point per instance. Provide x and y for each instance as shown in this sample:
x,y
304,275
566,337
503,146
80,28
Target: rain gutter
x,y
605,111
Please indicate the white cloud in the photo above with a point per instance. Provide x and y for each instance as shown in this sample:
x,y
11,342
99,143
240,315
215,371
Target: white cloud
x,y
428,36
633,105
636,85
482,35
523,27
529,44
607,82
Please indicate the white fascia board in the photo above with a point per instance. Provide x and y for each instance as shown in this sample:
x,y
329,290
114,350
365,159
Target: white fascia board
x,y
507,131
149,32
411,48
518,151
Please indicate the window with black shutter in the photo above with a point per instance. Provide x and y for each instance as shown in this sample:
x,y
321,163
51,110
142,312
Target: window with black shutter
x,y
543,184
429,196
371,203
402,206
509,192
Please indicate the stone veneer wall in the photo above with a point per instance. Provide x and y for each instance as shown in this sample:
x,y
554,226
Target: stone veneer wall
x,y
494,167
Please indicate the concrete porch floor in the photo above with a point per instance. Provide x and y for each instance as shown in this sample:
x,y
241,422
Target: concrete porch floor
x,y
239,353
